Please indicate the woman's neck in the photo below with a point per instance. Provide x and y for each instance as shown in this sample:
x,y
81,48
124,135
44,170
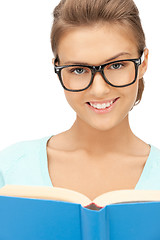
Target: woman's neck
x,y
93,140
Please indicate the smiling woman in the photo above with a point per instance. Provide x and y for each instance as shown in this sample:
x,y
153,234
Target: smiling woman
x,y
100,60
103,83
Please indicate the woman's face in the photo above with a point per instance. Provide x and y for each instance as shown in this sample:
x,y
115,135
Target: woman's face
x,y
94,46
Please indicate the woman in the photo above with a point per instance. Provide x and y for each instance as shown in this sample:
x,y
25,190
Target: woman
x,y
100,59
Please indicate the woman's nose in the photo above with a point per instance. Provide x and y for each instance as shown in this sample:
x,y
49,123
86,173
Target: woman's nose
x,y
99,85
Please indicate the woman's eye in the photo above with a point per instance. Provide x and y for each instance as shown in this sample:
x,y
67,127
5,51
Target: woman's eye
x,y
78,71
116,66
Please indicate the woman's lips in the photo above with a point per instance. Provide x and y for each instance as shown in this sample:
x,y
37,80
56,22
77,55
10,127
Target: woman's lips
x,y
102,107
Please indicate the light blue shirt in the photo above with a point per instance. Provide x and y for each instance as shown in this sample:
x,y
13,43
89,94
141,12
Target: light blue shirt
x,y
25,163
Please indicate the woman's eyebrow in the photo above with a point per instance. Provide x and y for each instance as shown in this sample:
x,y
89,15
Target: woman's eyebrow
x,y
118,55
108,60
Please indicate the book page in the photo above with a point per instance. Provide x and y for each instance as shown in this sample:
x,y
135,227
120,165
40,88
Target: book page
x,y
44,192
124,196
67,195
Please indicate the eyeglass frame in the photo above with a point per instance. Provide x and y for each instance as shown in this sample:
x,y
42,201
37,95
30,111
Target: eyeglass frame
x,y
94,69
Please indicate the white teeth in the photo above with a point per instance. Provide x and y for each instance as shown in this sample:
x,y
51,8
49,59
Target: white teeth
x,y
101,106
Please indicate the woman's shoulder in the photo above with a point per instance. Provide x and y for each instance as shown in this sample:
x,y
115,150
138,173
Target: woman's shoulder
x,y
20,149
21,161
150,178
153,162
155,152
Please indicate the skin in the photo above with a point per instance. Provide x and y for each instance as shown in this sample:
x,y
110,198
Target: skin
x,y
99,153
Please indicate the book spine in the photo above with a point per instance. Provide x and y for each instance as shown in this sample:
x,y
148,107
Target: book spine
x,y
94,224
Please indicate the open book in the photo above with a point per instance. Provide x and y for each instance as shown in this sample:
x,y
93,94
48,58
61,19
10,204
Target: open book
x,y
29,213
67,195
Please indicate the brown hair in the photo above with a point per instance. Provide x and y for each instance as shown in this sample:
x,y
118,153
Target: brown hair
x,y
73,13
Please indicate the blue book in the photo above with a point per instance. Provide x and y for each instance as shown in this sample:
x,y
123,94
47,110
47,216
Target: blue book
x,y
47,213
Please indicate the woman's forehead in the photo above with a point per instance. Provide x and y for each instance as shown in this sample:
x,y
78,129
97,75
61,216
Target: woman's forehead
x,y
88,43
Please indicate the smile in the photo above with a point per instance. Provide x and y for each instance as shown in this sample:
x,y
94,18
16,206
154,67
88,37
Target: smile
x,y
102,107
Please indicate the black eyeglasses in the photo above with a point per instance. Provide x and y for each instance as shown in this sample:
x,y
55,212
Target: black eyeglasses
x,y
120,73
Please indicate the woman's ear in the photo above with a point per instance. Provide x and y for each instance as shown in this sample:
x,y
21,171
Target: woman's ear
x,y
144,64
53,60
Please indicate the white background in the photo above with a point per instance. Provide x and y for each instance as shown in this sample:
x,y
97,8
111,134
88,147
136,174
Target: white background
x,y
32,102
